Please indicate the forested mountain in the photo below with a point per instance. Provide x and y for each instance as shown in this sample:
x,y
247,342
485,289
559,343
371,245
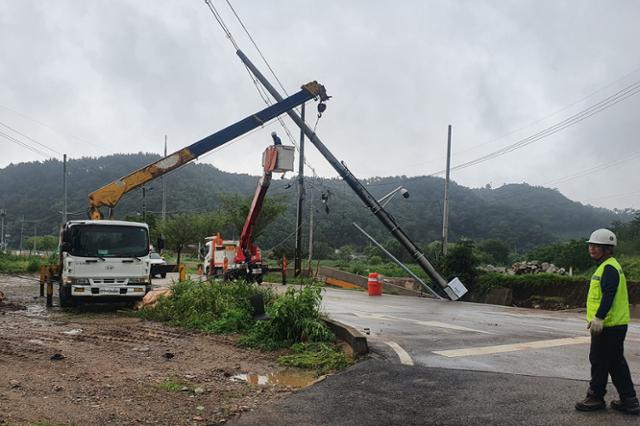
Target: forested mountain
x,y
520,215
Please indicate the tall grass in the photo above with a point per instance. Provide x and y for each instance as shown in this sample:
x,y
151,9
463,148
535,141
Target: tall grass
x,y
12,264
217,307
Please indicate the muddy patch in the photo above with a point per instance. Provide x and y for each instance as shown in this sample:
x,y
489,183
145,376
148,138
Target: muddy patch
x,y
106,366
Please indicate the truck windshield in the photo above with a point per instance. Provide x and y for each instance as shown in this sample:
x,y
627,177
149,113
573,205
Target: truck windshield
x,y
109,241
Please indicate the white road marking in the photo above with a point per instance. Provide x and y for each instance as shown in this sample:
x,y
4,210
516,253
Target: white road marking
x,y
488,350
405,358
425,323
449,326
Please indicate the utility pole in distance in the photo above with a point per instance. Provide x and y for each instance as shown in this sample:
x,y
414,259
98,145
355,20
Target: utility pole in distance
x,y
164,195
310,229
297,265
445,210
3,214
21,233
64,189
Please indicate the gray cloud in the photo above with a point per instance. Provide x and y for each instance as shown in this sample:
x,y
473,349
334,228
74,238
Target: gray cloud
x,y
116,76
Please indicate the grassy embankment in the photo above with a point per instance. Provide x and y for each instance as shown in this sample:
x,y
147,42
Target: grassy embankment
x,y
294,324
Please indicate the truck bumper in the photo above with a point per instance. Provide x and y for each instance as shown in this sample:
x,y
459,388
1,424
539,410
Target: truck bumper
x,y
110,291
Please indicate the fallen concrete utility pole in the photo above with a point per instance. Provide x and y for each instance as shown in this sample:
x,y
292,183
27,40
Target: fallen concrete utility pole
x,y
455,289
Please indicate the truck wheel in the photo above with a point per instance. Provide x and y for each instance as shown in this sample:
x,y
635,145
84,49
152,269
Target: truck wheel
x,y
163,275
258,279
66,301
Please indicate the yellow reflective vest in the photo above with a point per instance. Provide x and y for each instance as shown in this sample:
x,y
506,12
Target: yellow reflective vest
x,y
619,312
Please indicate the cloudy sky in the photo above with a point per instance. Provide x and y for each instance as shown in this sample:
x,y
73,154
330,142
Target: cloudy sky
x,y
91,78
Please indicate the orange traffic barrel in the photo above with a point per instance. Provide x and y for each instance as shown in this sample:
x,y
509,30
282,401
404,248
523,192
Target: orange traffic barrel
x,y
373,285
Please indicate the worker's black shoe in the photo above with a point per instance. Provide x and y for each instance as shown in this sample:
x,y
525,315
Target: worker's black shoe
x,y
626,405
591,403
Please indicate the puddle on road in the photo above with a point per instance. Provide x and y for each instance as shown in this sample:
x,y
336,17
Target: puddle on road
x,y
283,378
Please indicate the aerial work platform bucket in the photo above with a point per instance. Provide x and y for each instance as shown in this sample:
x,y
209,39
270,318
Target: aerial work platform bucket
x,y
373,285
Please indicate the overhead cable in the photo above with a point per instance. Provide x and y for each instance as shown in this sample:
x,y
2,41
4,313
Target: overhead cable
x,y
596,108
25,145
259,88
30,138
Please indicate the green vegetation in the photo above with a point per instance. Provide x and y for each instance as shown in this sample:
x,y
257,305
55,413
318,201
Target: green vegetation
x,y
520,216
525,283
216,307
293,318
224,307
173,385
12,264
318,356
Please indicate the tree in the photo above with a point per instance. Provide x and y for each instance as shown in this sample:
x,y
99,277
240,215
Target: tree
x,y
42,243
461,262
497,250
237,208
181,230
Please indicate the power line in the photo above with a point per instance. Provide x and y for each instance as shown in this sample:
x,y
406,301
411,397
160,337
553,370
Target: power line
x,y
596,108
25,145
30,138
259,88
52,128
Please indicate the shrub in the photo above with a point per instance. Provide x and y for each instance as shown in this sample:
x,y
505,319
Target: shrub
x,y
294,317
218,307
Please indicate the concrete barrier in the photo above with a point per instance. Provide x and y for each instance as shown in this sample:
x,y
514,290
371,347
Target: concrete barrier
x,y
350,335
328,275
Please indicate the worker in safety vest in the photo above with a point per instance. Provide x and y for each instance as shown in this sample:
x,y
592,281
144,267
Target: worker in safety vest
x,y
608,316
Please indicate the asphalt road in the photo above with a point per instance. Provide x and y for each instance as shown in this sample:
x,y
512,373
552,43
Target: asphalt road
x,y
474,336
453,363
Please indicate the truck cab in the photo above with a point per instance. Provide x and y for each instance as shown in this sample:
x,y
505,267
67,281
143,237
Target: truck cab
x,y
103,260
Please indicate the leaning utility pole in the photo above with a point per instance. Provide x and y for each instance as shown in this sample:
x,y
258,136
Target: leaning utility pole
x,y
297,265
454,289
445,210
164,195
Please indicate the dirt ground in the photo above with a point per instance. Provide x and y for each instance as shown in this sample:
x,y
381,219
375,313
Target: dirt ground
x,y
102,366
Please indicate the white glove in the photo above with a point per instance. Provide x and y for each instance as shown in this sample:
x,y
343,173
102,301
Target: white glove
x,y
595,326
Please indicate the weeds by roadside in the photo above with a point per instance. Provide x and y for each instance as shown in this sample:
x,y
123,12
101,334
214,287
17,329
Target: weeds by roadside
x,y
294,319
12,264
318,356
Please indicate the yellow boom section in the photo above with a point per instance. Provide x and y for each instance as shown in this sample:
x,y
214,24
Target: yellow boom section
x,y
110,194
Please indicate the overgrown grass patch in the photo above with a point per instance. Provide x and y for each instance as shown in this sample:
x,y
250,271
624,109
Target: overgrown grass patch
x,y
294,317
294,322
12,264
319,356
217,307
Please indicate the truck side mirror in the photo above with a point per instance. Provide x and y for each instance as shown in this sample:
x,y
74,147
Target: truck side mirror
x,y
65,246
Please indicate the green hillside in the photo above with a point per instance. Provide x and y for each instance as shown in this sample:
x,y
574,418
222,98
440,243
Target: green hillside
x,y
520,215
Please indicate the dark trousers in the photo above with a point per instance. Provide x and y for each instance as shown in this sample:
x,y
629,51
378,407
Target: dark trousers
x,y
607,358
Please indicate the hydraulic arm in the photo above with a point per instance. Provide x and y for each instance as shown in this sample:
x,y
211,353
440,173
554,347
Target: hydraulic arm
x,y
246,250
109,195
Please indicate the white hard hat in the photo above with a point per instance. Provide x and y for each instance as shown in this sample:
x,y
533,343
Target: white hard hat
x,y
603,236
